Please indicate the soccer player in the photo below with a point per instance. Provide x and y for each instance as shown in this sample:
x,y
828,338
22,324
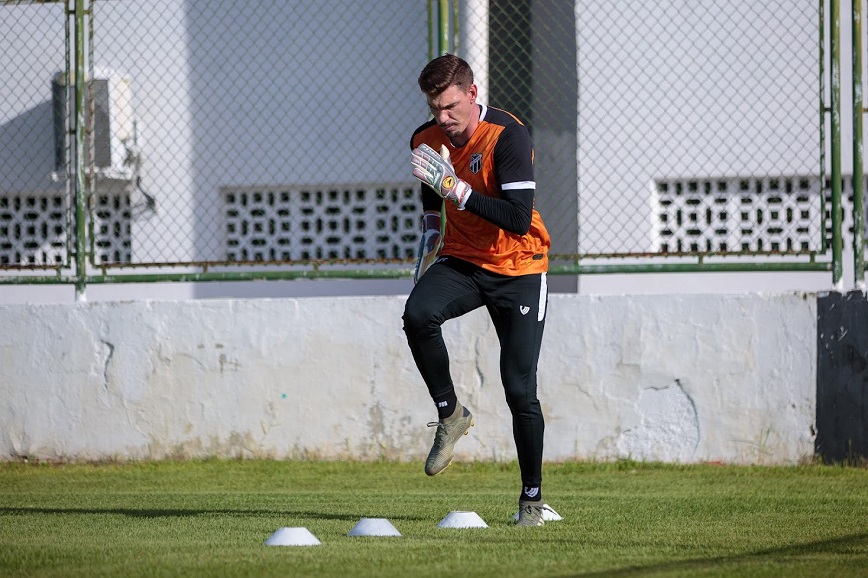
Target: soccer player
x,y
477,162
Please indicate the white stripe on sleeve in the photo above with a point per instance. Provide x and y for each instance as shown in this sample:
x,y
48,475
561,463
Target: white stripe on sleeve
x,y
518,185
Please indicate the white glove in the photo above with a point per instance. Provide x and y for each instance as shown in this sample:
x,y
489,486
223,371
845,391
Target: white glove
x,y
437,172
429,244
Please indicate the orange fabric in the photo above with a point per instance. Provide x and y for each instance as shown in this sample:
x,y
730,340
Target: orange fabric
x,y
472,238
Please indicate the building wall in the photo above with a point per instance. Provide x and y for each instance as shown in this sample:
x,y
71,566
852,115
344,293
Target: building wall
x,y
685,378
692,101
178,53
224,94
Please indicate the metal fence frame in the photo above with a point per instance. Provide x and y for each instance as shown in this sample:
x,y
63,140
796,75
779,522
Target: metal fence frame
x,y
443,38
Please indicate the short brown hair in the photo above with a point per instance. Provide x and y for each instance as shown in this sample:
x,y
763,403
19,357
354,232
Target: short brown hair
x,y
443,72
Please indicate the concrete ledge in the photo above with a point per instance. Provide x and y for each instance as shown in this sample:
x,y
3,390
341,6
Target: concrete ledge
x,y
689,378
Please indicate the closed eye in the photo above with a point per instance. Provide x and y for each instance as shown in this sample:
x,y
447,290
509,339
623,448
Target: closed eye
x,y
434,109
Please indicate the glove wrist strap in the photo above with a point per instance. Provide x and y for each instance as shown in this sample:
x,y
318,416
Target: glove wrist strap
x,y
430,221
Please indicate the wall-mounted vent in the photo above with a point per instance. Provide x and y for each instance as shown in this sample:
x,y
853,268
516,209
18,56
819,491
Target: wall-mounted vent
x,y
34,229
297,223
737,215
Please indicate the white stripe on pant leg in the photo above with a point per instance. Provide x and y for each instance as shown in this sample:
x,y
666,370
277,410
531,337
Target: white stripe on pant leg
x,y
543,292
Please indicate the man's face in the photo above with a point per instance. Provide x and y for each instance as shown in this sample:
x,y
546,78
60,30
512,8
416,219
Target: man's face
x,y
455,112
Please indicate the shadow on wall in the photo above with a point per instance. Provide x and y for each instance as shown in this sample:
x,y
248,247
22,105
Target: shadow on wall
x,y
27,151
842,377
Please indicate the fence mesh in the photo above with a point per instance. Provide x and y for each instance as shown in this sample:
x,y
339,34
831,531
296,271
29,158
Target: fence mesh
x,y
238,133
710,137
34,199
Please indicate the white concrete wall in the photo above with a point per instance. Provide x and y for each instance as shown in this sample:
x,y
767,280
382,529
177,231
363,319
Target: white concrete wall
x,y
684,378
299,86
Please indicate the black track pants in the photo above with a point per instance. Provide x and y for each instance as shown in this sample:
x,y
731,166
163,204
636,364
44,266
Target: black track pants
x,y
517,306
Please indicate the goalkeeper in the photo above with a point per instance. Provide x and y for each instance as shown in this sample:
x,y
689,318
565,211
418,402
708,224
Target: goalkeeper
x,y
477,162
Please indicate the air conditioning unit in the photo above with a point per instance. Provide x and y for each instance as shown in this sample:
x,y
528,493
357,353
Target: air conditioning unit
x,y
110,118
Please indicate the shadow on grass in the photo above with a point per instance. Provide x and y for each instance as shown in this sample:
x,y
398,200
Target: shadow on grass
x,y
843,546
177,513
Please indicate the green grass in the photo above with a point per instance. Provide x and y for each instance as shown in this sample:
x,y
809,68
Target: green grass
x,y
210,518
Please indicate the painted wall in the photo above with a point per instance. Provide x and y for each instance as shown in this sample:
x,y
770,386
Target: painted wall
x,y
178,52
679,378
301,104
842,376
694,102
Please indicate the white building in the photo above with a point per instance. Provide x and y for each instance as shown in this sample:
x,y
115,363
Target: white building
x,y
227,100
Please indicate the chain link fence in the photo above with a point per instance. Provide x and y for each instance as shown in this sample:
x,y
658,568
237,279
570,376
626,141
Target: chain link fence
x,y
235,136
699,128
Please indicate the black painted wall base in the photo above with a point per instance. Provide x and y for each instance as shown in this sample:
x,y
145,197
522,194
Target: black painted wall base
x,y
842,377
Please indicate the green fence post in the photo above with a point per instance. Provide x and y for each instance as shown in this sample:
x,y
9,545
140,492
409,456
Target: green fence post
x,y
858,179
444,27
79,75
456,27
835,72
821,11
438,26
431,30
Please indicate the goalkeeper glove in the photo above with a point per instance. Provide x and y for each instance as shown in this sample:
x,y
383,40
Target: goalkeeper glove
x,y
429,244
437,172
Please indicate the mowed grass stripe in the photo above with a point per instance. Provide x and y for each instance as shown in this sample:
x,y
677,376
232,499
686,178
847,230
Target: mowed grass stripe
x,y
211,517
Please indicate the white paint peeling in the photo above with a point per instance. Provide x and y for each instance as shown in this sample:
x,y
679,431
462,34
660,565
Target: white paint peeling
x,y
668,430
681,378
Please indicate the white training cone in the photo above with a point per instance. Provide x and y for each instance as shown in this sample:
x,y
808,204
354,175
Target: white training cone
x,y
549,514
292,537
462,520
374,527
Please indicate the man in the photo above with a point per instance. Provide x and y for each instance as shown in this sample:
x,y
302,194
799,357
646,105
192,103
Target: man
x,y
477,161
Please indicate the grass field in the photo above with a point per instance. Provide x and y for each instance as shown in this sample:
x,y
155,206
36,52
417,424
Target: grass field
x,y
210,518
